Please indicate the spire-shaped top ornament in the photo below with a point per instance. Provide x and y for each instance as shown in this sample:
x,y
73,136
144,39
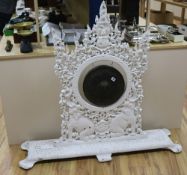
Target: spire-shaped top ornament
x,y
103,27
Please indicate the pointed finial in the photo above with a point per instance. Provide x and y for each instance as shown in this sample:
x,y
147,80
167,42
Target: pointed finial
x,y
96,19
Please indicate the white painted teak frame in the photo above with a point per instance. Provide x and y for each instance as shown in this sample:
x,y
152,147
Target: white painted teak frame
x,y
87,129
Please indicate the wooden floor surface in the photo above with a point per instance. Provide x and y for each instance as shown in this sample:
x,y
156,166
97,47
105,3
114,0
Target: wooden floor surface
x,y
160,162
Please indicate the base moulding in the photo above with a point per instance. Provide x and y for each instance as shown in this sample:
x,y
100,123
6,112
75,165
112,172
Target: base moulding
x,y
103,150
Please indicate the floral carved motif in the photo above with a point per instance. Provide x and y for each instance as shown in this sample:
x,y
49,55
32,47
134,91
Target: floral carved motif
x,y
101,40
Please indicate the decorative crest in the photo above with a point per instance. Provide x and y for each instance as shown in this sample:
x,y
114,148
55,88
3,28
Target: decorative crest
x,y
103,26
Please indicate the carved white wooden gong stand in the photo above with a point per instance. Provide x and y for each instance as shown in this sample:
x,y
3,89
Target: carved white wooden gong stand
x,y
87,129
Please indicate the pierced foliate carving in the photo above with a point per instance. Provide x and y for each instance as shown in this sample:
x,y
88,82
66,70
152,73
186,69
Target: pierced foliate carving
x,y
101,41
86,129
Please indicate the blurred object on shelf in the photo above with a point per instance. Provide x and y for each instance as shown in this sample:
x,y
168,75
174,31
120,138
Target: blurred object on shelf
x,y
172,32
163,28
24,28
67,32
8,30
132,37
158,38
43,17
47,32
26,24
25,46
174,35
24,32
18,38
28,10
28,33
22,20
9,46
133,33
70,35
183,29
20,7
158,17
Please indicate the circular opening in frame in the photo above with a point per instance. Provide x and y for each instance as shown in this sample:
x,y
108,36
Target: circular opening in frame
x,y
102,83
103,86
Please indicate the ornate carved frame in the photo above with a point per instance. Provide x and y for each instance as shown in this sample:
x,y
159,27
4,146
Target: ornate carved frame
x,y
90,130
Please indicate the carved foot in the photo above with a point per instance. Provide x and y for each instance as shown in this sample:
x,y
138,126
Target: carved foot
x,y
104,157
25,146
27,164
176,148
167,131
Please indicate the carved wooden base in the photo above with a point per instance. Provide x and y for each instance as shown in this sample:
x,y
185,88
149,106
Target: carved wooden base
x,y
58,149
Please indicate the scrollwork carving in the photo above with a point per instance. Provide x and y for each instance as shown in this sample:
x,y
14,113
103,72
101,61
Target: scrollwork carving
x,y
102,39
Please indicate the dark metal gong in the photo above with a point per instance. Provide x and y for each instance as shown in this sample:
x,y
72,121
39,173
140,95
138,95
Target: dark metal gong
x,y
103,86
